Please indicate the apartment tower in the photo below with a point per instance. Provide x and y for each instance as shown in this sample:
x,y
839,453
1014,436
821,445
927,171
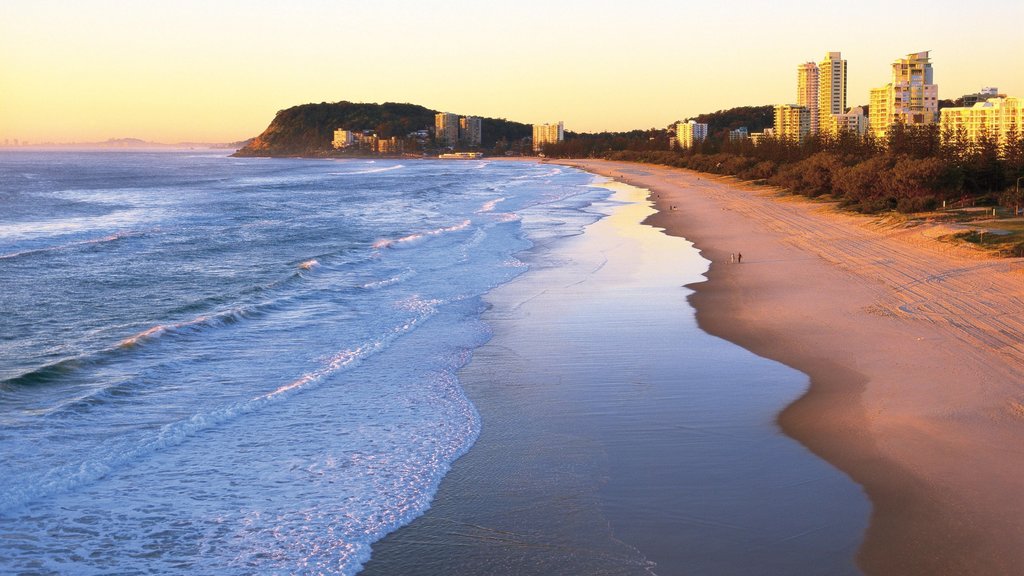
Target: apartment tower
x,y
807,91
470,130
547,134
792,122
688,133
446,128
831,90
912,98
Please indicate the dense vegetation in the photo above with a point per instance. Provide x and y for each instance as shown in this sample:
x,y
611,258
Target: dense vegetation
x,y
915,169
308,130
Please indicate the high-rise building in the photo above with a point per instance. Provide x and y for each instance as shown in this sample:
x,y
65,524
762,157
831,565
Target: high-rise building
x,y
547,134
912,97
470,130
995,117
792,122
807,91
689,133
831,89
446,128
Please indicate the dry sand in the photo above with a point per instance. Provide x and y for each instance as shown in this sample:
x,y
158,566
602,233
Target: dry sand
x,y
915,350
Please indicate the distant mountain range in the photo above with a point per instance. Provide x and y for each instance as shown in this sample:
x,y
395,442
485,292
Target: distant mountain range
x,y
308,129
139,143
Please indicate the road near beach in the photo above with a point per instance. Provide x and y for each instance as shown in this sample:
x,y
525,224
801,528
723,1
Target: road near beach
x,y
915,350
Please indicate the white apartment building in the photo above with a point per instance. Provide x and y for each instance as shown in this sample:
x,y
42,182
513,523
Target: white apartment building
x,y
911,98
831,90
994,117
792,122
689,133
547,134
446,128
343,138
807,84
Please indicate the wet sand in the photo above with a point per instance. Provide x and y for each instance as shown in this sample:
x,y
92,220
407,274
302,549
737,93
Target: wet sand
x,y
620,438
914,348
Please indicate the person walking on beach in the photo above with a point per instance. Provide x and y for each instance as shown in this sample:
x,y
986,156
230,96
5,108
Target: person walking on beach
x,y
739,258
732,258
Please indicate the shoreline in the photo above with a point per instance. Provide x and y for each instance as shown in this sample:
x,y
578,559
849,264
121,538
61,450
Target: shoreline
x,y
914,352
619,438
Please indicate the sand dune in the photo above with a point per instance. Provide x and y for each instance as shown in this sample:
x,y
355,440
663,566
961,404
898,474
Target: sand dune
x,y
915,351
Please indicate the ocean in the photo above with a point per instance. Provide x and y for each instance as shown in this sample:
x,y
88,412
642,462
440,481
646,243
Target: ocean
x,y
218,365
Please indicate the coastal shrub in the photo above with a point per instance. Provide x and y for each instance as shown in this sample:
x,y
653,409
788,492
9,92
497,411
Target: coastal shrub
x,y
759,171
909,205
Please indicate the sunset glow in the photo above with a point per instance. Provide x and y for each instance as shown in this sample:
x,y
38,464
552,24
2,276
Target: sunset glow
x,y
217,72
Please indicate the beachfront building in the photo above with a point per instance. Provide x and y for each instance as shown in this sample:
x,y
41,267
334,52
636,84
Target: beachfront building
x,y
470,130
911,98
547,134
792,122
807,91
343,138
689,133
738,134
854,121
995,117
446,128
831,90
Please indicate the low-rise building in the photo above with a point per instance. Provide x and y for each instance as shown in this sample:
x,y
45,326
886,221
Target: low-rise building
x,y
995,117
343,138
853,121
738,134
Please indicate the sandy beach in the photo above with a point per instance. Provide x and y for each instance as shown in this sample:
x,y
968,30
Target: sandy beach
x,y
914,348
619,438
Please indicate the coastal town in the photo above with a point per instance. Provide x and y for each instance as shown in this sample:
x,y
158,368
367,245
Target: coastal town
x,y
910,98
821,110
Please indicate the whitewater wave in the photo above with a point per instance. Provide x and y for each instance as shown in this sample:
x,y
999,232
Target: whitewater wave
x,y
393,242
70,476
409,273
490,204
193,326
368,170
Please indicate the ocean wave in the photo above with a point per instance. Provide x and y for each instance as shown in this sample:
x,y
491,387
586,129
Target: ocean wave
x,y
224,318
71,476
46,374
390,243
369,170
309,264
72,245
409,273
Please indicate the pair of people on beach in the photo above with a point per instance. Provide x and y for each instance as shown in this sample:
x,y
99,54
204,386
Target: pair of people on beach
x,y
736,257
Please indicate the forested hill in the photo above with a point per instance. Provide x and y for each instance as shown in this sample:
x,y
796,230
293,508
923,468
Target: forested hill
x,y
308,129
755,118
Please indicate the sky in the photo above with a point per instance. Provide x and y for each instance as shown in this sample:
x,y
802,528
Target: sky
x,y
218,70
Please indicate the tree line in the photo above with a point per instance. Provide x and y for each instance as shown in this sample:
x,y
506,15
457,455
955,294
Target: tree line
x,y
914,169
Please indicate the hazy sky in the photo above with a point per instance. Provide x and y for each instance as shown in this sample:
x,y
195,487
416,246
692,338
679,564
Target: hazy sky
x,y
218,70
